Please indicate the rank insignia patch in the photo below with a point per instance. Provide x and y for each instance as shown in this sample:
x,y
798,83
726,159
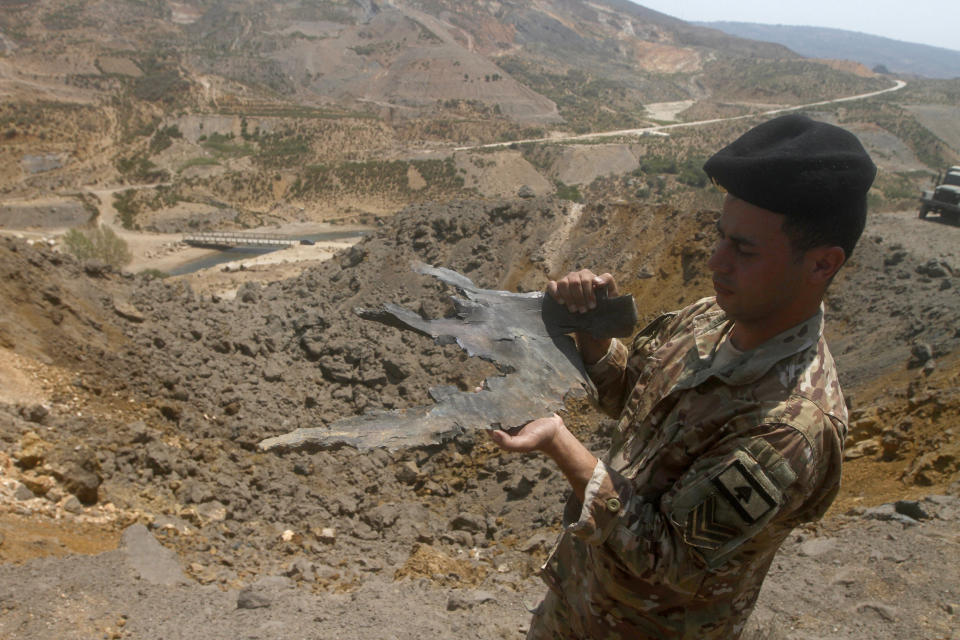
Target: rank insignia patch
x,y
744,492
702,528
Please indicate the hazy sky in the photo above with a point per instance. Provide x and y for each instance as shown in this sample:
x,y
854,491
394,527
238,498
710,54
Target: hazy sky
x,y
933,22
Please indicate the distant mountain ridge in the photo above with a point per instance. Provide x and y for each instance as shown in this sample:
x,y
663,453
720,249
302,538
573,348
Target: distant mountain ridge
x,y
257,110
869,50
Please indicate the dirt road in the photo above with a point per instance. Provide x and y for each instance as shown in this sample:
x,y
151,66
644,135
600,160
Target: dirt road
x,y
661,129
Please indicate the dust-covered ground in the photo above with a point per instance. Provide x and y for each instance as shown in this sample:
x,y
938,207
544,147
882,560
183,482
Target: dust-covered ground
x,y
141,402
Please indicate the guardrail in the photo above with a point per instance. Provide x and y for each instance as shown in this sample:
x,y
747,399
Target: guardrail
x,y
228,240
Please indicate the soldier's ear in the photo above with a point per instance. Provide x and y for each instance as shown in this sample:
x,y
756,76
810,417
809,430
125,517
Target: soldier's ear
x,y
823,263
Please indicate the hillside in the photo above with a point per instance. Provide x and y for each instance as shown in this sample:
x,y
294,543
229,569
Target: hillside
x,y
871,51
140,401
134,501
272,112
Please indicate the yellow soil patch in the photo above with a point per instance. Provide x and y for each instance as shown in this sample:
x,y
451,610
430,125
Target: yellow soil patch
x,y
26,538
429,562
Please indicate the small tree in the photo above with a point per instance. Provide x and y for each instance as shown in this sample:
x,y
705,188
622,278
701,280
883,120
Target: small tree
x,y
99,243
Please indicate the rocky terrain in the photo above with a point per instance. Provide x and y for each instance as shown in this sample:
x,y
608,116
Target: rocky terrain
x,y
140,402
134,502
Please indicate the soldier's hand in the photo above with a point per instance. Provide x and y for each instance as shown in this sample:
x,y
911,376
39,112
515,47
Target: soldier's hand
x,y
537,435
578,289
551,437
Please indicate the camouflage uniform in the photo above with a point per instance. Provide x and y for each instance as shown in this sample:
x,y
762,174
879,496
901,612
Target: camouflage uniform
x,y
711,467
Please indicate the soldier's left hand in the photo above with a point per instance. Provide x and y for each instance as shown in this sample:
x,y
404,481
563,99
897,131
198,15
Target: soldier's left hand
x,y
537,435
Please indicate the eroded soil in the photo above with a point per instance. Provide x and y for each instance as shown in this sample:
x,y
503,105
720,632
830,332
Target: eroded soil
x,y
140,401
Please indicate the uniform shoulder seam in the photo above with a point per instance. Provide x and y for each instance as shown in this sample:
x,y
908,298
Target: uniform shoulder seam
x,y
778,418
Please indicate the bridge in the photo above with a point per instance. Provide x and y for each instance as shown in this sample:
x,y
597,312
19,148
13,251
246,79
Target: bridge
x,y
229,240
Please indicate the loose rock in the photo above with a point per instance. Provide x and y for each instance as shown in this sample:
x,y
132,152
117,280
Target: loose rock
x,y
885,612
468,599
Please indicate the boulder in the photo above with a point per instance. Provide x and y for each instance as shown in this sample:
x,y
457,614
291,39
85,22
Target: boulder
x,y
469,522
31,450
127,311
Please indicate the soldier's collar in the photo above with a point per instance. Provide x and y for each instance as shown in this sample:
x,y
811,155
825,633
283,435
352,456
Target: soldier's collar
x,y
710,328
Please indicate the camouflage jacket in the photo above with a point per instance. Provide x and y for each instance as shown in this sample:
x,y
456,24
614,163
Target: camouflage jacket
x,y
711,467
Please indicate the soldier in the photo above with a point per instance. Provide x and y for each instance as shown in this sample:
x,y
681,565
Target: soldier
x,y
731,418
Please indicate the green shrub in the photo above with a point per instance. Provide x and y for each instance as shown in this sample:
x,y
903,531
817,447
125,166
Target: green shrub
x,y
164,137
568,192
656,184
63,18
386,176
688,170
692,174
364,50
151,274
99,243
283,149
139,168
658,164
225,146
127,208
166,86
199,161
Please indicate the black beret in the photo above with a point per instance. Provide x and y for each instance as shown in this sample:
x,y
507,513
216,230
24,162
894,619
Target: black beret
x,y
795,166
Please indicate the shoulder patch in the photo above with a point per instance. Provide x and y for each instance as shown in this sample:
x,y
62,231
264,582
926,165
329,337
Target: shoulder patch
x,y
744,492
725,506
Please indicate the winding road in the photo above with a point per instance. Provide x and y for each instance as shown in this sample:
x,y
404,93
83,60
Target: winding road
x,y
660,129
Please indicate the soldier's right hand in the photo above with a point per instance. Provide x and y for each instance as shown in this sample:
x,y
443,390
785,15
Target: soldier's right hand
x,y
578,289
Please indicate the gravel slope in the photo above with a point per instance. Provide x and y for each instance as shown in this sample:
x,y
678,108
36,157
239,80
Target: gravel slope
x,y
157,396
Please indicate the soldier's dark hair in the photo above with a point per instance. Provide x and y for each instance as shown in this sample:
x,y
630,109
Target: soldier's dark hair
x,y
838,228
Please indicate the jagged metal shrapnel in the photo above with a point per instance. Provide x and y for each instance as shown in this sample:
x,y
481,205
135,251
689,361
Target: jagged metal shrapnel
x,y
523,334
